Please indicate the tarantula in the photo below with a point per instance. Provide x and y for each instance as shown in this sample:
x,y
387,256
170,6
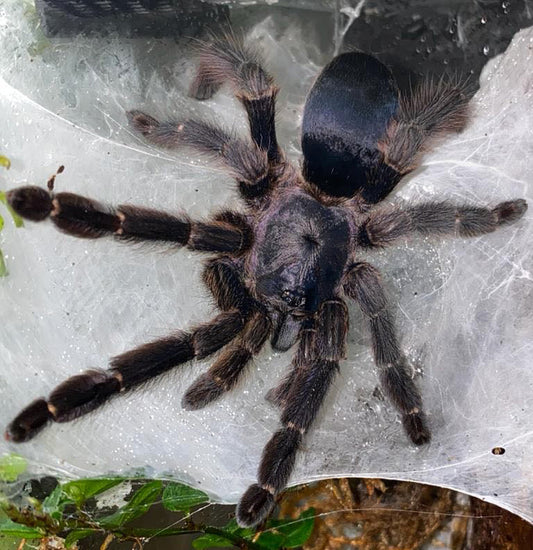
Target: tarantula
x,y
283,269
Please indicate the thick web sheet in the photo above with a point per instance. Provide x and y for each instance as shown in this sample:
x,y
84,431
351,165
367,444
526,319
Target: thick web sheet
x,y
463,306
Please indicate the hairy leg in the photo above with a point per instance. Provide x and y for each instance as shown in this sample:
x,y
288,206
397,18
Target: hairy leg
x,y
230,365
363,284
431,110
302,358
246,162
304,398
85,392
83,217
386,225
227,59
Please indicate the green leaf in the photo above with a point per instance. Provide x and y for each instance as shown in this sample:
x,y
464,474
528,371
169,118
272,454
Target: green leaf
x,y
137,506
10,528
3,267
294,531
211,541
270,540
181,498
5,162
76,535
55,503
19,222
82,489
1,223
234,528
12,465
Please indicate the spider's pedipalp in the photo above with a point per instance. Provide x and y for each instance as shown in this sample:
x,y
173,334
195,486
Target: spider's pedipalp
x,y
229,60
223,277
330,338
363,284
219,379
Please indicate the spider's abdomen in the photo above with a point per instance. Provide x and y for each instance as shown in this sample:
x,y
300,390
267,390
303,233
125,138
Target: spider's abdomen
x,y
300,252
346,114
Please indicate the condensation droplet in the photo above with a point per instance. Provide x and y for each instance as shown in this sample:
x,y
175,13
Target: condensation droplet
x,y
486,50
483,20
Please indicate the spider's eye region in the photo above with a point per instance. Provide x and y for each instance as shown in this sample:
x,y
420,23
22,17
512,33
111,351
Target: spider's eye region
x,y
293,297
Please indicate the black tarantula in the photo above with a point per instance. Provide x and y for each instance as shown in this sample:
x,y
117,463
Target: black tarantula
x,y
284,268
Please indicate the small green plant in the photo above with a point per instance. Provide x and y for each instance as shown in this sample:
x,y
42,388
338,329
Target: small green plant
x,y
68,515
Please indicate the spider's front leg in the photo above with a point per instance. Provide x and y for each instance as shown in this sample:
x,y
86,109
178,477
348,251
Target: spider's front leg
x,y
363,284
315,366
83,217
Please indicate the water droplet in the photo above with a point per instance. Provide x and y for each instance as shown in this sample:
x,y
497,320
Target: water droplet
x,y
483,20
486,50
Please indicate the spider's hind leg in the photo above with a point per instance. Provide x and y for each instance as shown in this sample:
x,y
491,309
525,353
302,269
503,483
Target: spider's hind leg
x,y
431,110
363,284
246,162
228,59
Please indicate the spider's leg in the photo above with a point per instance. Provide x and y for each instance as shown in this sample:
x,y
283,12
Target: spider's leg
x,y
227,59
301,360
228,368
306,394
363,284
245,161
223,277
85,392
434,108
384,226
83,217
